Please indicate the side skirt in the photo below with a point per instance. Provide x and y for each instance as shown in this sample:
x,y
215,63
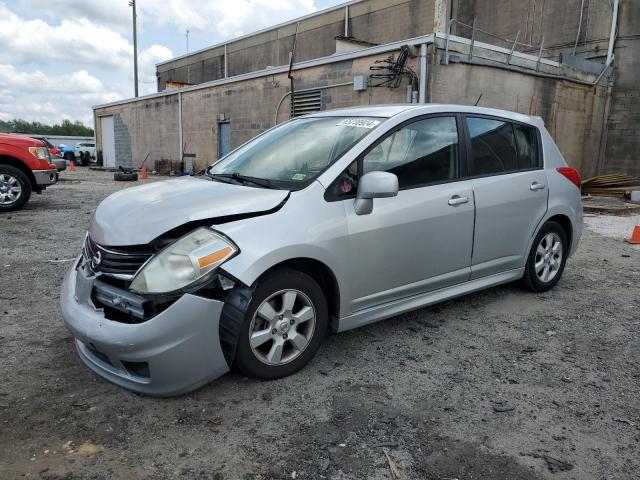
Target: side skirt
x,y
391,309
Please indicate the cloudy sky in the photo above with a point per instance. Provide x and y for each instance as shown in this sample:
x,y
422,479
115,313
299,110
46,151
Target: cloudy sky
x,y
60,57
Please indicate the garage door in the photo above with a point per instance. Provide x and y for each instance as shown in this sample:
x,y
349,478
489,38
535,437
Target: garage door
x,y
108,142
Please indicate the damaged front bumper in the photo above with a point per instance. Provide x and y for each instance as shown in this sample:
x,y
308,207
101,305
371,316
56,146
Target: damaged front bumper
x,y
176,351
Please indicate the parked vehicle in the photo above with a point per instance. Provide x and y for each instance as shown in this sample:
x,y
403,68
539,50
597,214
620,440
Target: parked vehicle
x,y
327,222
25,167
52,149
85,152
68,153
54,153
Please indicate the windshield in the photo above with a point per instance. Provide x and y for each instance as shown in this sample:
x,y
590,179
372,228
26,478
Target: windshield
x,y
296,152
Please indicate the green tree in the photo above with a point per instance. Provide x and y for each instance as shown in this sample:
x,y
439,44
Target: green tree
x,y
67,127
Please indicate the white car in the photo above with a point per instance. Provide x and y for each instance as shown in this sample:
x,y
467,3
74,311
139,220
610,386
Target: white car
x,y
85,151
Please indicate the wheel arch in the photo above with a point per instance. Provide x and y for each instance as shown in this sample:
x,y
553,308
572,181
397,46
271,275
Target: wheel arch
x,y
239,298
14,162
565,223
322,274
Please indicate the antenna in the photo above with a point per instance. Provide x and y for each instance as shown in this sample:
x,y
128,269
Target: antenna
x,y
187,35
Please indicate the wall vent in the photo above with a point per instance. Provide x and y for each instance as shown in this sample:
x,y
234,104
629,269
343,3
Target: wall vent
x,y
305,102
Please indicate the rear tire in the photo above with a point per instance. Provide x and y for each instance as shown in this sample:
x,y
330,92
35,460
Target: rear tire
x,y
15,189
286,320
546,259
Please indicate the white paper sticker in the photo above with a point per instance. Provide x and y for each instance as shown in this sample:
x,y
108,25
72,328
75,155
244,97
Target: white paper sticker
x,y
359,122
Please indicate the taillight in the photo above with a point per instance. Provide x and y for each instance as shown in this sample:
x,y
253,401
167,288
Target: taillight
x,y
54,151
571,174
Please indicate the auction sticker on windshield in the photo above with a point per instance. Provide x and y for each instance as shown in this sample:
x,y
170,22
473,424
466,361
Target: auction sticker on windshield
x,y
359,122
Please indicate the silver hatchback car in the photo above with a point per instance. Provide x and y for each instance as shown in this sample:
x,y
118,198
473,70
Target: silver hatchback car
x,y
325,223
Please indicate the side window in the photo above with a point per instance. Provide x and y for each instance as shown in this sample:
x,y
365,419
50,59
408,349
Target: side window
x,y
493,146
422,152
527,143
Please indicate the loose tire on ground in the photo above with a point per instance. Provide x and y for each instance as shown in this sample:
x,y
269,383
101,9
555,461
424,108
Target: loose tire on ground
x,y
12,178
300,338
544,266
125,177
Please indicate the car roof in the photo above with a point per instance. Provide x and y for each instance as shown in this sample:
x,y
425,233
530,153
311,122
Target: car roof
x,y
388,111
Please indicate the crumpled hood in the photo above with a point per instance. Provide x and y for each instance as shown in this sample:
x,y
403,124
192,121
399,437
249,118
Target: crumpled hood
x,y
137,215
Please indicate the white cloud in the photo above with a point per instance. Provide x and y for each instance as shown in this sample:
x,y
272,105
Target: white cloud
x,y
78,82
112,13
147,61
51,98
224,18
78,40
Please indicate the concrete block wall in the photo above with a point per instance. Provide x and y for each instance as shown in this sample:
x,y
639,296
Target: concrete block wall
x,y
557,21
622,152
375,21
249,106
152,126
123,142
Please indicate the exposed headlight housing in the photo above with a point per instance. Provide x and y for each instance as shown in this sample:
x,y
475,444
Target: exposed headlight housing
x,y
184,262
39,152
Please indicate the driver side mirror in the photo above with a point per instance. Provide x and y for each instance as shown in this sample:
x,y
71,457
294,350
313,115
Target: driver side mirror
x,y
374,185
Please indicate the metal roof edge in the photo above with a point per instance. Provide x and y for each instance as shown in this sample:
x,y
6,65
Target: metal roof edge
x,y
264,30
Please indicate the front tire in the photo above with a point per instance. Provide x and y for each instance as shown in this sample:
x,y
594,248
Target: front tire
x,y
15,189
284,325
547,258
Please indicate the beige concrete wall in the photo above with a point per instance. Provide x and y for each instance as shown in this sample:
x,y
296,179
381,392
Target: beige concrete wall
x,y
557,21
375,21
148,127
554,20
572,112
622,137
249,105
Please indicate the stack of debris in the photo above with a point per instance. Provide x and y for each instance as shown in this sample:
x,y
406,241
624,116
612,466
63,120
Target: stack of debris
x,y
614,185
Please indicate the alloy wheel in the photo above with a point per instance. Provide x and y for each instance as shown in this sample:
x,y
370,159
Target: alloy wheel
x,y
548,257
282,327
10,189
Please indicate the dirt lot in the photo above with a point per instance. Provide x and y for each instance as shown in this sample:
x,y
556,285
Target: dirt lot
x,y
500,384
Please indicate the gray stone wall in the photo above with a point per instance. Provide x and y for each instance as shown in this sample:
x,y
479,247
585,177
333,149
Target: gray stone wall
x,y
122,141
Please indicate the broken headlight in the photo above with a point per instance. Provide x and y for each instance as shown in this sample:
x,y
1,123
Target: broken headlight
x,y
184,262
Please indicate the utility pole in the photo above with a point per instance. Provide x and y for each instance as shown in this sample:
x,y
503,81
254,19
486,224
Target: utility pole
x,y
132,3
187,41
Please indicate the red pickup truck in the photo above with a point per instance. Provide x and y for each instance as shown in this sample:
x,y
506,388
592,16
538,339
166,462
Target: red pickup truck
x,y
24,168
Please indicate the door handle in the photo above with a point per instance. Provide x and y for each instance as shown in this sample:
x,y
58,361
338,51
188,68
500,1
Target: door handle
x,y
537,186
458,200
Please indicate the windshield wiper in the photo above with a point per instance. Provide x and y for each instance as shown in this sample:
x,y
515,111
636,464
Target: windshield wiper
x,y
261,182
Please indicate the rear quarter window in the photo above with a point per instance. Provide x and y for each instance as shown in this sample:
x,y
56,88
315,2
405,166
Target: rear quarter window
x,y
499,146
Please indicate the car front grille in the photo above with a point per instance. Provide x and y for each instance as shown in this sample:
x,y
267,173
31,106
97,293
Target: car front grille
x,y
115,260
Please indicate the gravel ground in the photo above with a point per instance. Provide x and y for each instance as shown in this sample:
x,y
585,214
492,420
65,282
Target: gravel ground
x,y
502,384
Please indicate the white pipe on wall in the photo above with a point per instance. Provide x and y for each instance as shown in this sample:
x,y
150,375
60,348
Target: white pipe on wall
x,y
346,21
180,126
422,98
226,64
612,33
